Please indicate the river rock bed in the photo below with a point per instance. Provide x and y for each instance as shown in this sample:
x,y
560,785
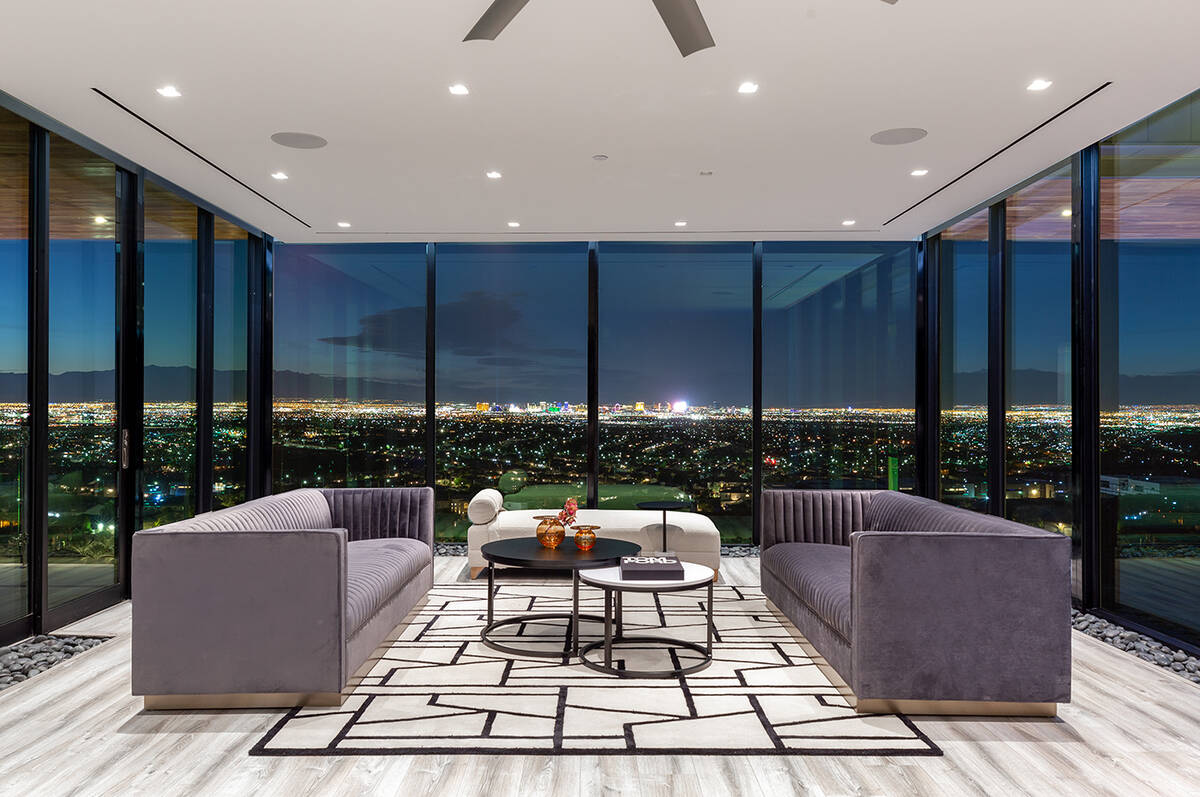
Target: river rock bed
x,y
1140,645
22,661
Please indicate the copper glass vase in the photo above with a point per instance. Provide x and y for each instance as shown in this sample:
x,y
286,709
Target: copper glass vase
x,y
585,537
550,532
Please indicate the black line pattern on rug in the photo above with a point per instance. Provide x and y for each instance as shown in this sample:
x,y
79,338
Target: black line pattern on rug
x,y
437,690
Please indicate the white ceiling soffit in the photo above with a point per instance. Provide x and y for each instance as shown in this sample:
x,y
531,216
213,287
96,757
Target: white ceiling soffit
x,y
568,79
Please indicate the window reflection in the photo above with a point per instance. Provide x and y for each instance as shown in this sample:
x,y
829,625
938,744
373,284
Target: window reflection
x,y
1038,416
349,365
838,366
675,378
963,435
14,341
82,318
511,376
1150,392
231,261
169,377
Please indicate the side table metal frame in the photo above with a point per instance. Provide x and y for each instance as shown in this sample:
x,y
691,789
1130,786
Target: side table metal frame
x,y
573,619
619,638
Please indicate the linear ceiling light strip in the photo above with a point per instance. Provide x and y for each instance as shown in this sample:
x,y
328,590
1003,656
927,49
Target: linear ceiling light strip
x,y
1000,151
179,143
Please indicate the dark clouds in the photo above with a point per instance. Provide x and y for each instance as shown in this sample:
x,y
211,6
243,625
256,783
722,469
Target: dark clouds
x,y
491,347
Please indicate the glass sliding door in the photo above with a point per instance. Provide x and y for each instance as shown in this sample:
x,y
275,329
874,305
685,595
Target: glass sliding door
x,y
676,378
1038,415
1150,368
231,262
839,331
169,377
512,377
82,453
349,386
963,432
14,369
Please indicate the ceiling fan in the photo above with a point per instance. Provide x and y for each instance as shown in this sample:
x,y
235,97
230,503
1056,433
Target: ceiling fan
x,y
683,19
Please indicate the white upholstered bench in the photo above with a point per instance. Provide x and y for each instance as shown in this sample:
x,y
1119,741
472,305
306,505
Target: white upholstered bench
x,y
692,536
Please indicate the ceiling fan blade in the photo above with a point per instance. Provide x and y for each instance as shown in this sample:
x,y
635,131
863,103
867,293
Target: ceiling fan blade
x,y
686,25
495,19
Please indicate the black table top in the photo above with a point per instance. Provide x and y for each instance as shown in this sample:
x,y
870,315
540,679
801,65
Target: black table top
x,y
665,505
528,552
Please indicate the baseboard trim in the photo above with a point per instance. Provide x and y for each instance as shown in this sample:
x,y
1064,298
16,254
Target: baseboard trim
x,y
957,708
242,700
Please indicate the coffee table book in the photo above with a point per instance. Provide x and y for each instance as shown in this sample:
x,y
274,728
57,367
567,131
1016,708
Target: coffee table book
x,y
651,568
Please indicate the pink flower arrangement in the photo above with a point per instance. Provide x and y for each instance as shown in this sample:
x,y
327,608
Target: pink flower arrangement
x,y
567,515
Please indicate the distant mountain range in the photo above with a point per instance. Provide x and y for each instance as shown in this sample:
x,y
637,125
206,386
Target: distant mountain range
x,y
176,383
1033,387
172,383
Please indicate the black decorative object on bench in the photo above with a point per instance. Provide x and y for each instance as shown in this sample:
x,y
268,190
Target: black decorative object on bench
x,y
651,568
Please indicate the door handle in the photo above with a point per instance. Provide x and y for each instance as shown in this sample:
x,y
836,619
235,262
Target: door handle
x,y
124,449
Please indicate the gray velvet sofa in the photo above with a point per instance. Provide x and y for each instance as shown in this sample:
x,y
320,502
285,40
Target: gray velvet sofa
x,y
921,607
278,601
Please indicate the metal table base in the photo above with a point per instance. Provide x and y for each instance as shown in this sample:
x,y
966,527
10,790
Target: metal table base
x,y
573,618
619,638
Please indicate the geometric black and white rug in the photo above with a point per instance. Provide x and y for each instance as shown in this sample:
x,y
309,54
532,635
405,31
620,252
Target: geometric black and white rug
x,y
437,689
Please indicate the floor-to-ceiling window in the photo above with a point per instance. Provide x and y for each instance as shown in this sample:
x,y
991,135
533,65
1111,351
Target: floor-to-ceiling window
x,y
169,376
1038,414
963,427
230,285
1150,367
14,342
676,378
838,365
349,349
82,456
511,376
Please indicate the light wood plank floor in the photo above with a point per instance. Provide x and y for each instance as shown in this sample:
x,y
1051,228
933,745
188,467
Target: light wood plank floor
x,y
1131,729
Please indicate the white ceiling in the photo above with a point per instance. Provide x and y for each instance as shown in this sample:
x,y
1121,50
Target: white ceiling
x,y
570,78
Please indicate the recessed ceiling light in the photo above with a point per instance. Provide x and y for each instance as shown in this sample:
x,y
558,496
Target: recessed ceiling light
x,y
514,224
706,173
749,87
1039,84
599,156
279,175
1066,212
848,223
681,224
458,89
919,172
100,220
494,175
169,91
343,224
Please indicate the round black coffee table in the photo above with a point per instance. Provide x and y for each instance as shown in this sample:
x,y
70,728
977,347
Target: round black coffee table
x,y
528,552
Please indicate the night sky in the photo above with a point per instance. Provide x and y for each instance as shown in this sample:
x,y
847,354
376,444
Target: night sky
x,y
512,319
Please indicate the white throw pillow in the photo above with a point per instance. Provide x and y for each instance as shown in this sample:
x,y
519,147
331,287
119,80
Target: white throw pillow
x,y
485,506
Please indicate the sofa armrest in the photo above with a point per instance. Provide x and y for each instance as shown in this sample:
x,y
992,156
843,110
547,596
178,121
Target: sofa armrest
x,y
961,616
825,516
369,513
218,612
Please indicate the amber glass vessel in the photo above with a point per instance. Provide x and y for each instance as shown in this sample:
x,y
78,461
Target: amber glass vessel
x,y
585,537
550,532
